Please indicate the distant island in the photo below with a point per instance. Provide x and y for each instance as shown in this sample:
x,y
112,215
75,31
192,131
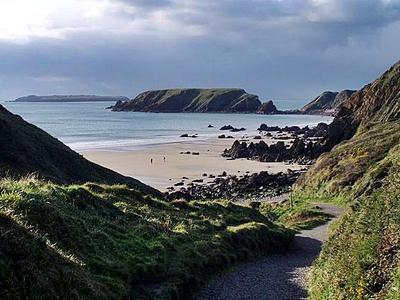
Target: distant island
x,y
228,100
70,98
224,100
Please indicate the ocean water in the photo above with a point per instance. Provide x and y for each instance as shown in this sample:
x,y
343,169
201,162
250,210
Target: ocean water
x,y
88,126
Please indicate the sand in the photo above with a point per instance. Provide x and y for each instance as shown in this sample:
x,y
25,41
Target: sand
x,y
163,174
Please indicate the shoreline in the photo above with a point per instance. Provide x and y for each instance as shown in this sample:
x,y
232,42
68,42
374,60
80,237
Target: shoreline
x,y
184,168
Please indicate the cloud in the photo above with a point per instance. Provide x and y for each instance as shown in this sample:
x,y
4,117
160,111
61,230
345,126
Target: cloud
x,y
125,46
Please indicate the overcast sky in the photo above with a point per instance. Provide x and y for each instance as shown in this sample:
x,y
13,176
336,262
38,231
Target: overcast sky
x,y
278,49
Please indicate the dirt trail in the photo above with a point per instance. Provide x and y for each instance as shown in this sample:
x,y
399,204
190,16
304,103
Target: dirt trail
x,y
276,277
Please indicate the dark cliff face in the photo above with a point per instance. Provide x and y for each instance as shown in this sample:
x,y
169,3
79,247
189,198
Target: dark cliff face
x,y
267,108
376,102
26,149
327,103
191,100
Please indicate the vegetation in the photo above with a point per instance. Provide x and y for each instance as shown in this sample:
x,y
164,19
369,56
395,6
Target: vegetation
x,y
297,215
360,260
26,149
112,242
192,100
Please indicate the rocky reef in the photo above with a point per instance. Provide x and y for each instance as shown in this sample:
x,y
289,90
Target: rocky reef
x,y
305,147
236,188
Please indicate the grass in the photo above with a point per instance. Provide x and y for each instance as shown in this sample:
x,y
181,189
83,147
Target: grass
x,y
360,260
111,242
297,216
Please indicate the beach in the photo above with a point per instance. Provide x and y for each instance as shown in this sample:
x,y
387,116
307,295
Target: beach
x,y
179,167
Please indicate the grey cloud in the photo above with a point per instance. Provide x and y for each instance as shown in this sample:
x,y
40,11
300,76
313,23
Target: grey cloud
x,y
272,48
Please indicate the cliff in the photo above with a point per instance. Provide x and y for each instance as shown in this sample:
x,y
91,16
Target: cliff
x,y
361,173
70,98
327,103
191,100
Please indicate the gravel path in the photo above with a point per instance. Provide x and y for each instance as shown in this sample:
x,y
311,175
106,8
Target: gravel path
x,y
277,277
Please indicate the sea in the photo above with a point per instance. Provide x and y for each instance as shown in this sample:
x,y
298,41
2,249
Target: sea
x,y
88,126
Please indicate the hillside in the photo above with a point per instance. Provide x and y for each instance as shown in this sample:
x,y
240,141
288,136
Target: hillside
x,y
327,103
191,100
26,149
62,237
70,98
110,242
362,174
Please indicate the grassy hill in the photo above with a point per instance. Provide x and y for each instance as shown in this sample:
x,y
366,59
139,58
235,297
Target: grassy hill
x,y
360,260
26,149
191,100
96,241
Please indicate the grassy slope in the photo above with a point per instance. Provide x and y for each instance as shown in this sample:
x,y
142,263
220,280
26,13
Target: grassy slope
x,y
111,242
27,149
360,260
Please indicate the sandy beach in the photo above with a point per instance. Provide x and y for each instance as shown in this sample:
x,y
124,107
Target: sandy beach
x,y
177,167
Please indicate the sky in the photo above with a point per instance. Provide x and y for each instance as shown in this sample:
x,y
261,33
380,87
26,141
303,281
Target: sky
x,y
277,49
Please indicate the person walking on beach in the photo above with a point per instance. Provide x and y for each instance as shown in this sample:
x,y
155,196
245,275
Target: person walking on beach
x,y
151,160
164,158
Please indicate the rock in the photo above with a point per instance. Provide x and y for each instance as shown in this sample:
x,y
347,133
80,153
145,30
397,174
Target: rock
x,y
231,128
204,174
222,136
265,127
234,188
210,126
179,183
237,129
226,127
328,103
321,130
187,135
229,137
267,108
195,153
257,137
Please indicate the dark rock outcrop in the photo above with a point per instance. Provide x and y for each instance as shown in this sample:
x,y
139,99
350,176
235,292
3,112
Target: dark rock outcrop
x,y
376,102
300,151
307,145
267,108
231,128
237,188
191,100
327,103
